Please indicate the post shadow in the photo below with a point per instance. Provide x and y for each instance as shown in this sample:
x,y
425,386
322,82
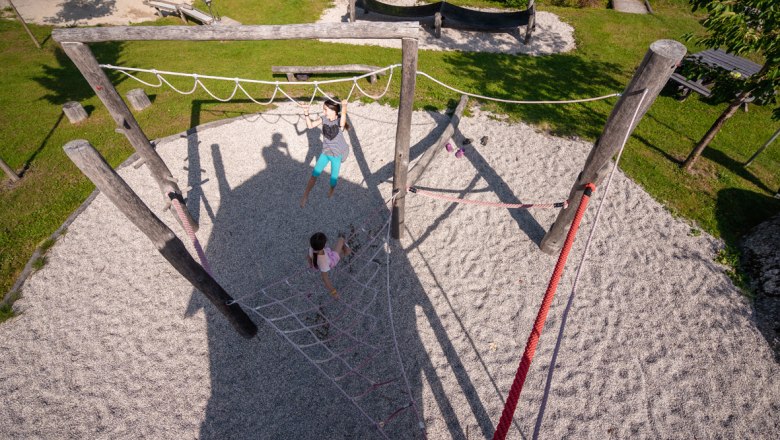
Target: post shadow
x,y
263,387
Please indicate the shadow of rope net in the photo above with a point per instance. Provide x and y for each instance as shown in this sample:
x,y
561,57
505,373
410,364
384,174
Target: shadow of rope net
x,y
350,340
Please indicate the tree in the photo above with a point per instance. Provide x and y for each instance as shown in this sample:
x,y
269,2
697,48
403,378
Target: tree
x,y
740,27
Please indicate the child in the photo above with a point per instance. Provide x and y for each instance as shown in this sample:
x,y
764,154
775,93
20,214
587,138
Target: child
x,y
325,259
334,147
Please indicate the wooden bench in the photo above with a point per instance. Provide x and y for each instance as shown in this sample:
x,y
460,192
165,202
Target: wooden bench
x,y
195,14
296,73
163,7
696,86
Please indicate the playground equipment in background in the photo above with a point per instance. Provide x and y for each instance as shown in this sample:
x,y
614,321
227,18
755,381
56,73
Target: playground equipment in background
x,y
443,14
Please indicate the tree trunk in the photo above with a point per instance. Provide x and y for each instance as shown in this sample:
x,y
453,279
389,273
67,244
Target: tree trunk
x,y
710,135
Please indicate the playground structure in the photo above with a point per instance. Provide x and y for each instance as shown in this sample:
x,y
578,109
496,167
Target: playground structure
x,y
443,14
651,75
183,10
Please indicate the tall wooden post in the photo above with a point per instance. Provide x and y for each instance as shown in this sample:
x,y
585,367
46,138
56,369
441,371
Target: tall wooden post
x,y
92,164
656,69
85,61
403,132
8,171
24,24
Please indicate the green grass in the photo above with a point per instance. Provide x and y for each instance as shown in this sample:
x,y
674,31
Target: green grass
x,y
722,198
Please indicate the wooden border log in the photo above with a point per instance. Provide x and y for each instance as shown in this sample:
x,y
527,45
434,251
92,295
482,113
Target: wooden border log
x,y
85,61
373,30
422,164
657,67
138,99
74,112
403,132
8,171
92,164
24,24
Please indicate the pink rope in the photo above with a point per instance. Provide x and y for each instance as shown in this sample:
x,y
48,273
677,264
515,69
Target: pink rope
x,y
191,233
433,195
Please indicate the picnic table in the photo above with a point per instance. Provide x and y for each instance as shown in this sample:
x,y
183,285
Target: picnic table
x,y
714,58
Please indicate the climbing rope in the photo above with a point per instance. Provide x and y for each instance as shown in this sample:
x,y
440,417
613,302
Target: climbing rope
x,y
190,232
536,331
570,301
159,74
332,341
433,195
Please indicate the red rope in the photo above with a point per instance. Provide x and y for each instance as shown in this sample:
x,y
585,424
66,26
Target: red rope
x,y
536,332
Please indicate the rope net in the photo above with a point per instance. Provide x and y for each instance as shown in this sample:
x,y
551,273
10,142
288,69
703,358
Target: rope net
x,y
350,340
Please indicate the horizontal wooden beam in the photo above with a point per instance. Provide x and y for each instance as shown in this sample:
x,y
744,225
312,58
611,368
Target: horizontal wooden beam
x,y
371,30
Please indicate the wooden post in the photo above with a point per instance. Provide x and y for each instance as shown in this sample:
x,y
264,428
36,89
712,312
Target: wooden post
x,y
138,99
351,10
85,61
656,69
403,132
24,24
760,150
422,164
92,164
529,28
8,171
74,111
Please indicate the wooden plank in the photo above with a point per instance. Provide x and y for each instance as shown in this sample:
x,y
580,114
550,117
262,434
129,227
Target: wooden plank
x,y
654,72
244,32
343,68
422,163
85,61
403,132
692,85
8,171
92,164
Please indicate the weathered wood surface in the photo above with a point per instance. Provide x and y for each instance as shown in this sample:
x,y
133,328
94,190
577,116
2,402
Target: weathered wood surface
x,y
656,69
243,32
85,61
422,163
138,99
74,111
8,171
291,71
403,132
92,164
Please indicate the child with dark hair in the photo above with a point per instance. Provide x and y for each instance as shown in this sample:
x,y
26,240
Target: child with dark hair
x,y
335,149
324,258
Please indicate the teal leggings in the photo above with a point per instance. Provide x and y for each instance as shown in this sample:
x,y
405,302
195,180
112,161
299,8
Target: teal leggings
x,y
335,165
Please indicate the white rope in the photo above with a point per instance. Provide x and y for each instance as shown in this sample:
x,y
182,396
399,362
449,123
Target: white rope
x,y
249,81
377,97
511,101
317,84
565,315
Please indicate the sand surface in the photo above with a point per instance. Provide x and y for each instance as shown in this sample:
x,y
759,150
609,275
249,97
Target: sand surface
x,y
550,36
84,12
113,343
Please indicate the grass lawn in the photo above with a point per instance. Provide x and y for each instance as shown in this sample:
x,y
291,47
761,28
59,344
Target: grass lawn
x,y
722,197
